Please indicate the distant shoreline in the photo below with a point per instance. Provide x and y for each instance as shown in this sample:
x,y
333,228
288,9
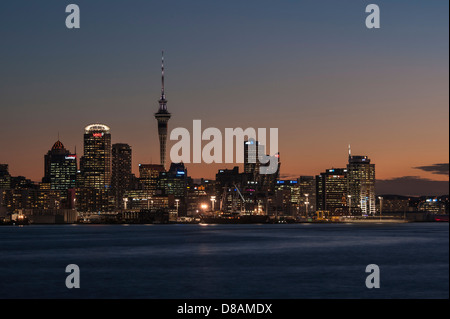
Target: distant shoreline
x,y
360,222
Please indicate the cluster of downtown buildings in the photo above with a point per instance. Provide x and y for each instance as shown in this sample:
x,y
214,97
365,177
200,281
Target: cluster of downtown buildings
x,y
101,187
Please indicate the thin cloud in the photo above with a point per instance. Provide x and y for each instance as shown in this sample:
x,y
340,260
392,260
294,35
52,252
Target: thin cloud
x,y
440,169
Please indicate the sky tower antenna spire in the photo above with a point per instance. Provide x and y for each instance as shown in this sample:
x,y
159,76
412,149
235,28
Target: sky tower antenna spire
x,y
163,95
162,116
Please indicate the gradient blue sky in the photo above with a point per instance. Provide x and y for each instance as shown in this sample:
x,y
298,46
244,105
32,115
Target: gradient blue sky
x,y
310,68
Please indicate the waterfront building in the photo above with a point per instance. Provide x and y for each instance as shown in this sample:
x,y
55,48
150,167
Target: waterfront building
x,y
361,184
136,200
394,204
197,195
432,206
93,200
331,191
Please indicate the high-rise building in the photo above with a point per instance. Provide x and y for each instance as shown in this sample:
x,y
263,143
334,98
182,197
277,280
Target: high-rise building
x,y
5,186
251,159
331,191
5,177
361,184
307,194
94,192
121,179
226,192
149,176
286,197
199,194
95,164
268,182
163,117
60,168
228,177
174,181
252,166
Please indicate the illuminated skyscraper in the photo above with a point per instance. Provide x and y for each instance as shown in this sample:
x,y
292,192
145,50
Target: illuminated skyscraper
x,y
121,179
95,165
162,116
361,184
286,196
268,182
5,177
253,165
331,191
251,160
149,176
94,187
174,181
60,168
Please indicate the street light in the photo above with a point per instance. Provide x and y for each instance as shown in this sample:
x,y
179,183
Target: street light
x,y
213,199
381,205
307,204
349,205
177,202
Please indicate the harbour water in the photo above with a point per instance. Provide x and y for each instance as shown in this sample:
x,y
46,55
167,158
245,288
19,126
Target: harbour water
x,y
293,261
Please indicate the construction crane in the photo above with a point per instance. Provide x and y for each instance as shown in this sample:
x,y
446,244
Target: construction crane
x,y
240,194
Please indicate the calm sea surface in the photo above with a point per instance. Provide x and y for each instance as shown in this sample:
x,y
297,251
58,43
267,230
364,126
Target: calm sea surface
x,y
225,261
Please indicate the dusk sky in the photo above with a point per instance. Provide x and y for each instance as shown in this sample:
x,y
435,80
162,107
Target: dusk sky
x,y
309,68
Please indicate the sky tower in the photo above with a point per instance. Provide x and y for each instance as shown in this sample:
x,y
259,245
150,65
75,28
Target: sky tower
x,y
162,116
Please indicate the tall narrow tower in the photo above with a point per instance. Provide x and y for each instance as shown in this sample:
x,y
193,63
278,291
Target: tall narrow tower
x,y
162,116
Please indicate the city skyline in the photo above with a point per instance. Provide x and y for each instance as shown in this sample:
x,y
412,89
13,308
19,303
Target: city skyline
x,y
394,189
224,157
326,80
